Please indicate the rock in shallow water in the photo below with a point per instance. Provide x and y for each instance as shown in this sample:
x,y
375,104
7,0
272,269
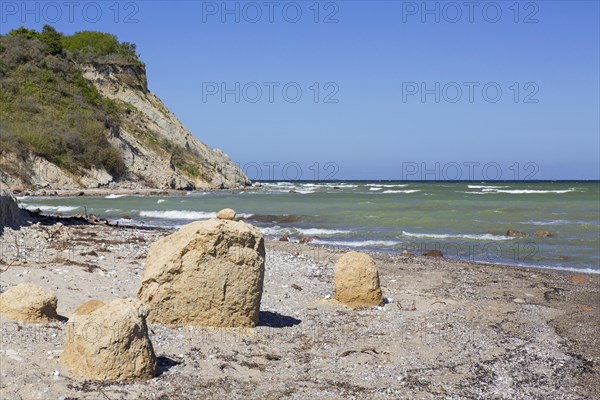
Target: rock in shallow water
x,y
515,233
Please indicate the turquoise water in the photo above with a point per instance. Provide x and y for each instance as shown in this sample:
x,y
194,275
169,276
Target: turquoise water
x,y
466,220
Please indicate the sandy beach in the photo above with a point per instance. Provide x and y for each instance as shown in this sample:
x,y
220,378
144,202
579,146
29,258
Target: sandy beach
x,y
448,329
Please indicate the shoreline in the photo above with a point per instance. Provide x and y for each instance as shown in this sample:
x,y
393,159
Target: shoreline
x,y
102,192
92,219
569,244
450,328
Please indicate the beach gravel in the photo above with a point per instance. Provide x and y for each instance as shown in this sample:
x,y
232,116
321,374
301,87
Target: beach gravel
x,y
448,329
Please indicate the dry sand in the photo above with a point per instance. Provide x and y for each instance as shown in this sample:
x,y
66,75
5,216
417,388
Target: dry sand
x,y
451,330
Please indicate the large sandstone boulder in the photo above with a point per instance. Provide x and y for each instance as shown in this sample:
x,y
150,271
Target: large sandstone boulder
x,y
110,343
27,302
207,273
356,281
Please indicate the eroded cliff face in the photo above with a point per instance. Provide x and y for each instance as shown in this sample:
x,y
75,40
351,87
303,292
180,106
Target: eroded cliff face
x,y
158,150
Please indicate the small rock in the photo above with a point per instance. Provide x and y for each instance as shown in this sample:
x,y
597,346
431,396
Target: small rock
x,y
543,234
408,253
284,238
519,300
13,355
515,233
579,279
433,253
226,213
306,239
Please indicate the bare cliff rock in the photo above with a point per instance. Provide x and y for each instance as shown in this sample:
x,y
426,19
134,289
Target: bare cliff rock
x,y
148,125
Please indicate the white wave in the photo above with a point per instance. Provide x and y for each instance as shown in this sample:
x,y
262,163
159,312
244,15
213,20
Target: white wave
x,y
114,196
387,186
305,191
277,184
484,236
273,230
160,201
282,190
175,214
319,231
278,230
363,243
375,188
401,191
555,222
32,207
527,191
328,185
184,214
477,192
485,187
112,210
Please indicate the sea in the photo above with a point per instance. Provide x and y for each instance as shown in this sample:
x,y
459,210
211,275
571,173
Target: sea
x,y
464,220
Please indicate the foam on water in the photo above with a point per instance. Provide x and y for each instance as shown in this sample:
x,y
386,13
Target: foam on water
x,y
358,243
178,214
486,187
483,236
527,191
32,207
386,185
278,230
401,191
184,214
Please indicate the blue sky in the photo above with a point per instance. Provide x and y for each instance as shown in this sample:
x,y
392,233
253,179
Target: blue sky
x,y
361,68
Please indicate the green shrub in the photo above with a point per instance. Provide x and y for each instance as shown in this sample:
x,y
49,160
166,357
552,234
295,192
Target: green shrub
x,y
88,46
49,109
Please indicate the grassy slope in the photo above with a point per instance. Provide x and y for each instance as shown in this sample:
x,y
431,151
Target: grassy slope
x,y
47,108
